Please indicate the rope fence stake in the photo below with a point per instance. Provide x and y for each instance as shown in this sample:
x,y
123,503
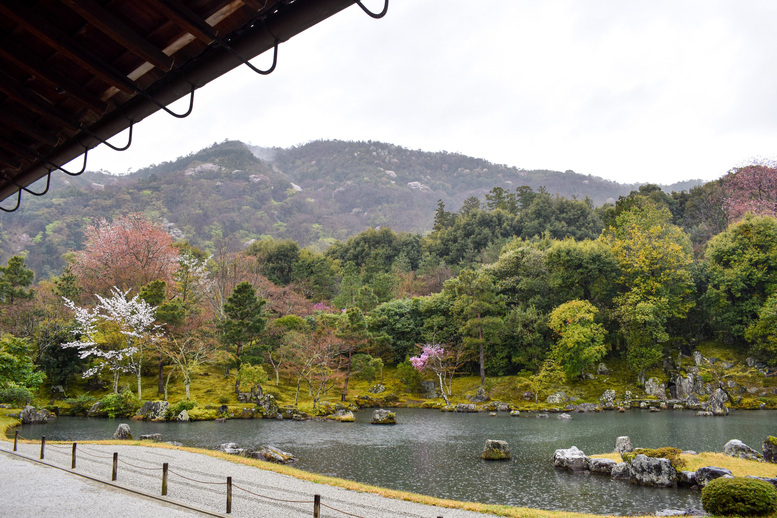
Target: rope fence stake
x,y
115,466
15,439
42,446
316,506
73,460
229,495
164,479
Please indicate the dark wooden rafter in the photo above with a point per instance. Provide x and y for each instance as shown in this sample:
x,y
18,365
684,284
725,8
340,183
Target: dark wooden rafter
x,y
27,61
17,148
118,31
28,128
256,5
186,19
47,32
35,103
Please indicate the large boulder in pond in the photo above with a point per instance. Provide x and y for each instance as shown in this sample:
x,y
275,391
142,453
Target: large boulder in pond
x,y
273,454
652,471
572,459
496,450
156,437
715,404
736,448
153,410
707,473
123,433
231,448
381,416
183,417
770,449
31,415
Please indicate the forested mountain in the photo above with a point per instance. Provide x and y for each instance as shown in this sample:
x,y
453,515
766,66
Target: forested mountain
x,y
314,194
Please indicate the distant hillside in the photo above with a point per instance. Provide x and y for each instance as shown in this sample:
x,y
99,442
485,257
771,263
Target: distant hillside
x,y
314,194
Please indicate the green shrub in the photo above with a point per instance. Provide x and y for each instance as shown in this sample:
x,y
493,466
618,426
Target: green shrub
x,y
16,396
673,454
120,405
81,404
409,376
739,496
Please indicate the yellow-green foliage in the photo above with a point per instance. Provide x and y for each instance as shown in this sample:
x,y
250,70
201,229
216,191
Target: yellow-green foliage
x,y
667,452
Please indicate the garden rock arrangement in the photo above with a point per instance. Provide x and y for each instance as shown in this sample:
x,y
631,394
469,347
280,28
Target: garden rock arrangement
x,y
266,453
153,410
655,467
31,415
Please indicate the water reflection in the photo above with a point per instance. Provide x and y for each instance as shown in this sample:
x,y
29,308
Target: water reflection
x,y
438,454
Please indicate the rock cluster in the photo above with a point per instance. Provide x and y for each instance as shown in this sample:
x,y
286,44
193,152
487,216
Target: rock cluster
x,y
266,453
381,416
31,415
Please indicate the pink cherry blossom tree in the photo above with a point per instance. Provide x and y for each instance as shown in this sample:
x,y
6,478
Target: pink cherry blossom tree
x,y
751,189
441,362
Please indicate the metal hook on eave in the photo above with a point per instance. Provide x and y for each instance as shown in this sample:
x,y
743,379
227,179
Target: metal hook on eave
x,y
83,168
25,189
374,15
165,108
115,148
18,202
262,72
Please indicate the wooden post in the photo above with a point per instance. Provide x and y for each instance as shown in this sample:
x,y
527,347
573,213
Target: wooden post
x,y
15,439
164,479
115,465
316,506
229,495
42,446
73,460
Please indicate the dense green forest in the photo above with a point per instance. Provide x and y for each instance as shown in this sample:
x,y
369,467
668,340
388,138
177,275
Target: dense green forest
x,y
315,194
514,282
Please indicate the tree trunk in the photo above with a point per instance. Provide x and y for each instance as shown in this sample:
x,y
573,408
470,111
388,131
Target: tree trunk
x,y
442,389
347,377
161,379
482,356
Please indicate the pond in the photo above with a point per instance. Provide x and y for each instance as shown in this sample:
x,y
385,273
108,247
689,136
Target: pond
x,y
438,454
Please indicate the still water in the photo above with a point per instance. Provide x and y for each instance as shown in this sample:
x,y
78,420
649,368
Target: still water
x,y
438,454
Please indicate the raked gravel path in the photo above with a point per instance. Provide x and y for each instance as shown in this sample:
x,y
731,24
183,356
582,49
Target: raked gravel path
x,y
31,489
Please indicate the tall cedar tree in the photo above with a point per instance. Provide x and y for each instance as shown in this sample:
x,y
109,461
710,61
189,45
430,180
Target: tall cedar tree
x,y
244,321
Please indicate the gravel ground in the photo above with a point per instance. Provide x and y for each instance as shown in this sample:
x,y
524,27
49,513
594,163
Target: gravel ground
x,y
194,479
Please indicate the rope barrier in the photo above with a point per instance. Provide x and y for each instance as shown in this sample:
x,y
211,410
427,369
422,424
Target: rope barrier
x,y
340,511
271,498
82,450
197,481
139,467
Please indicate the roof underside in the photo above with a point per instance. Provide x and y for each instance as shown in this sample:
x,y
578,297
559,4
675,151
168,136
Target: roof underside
x,y
73,73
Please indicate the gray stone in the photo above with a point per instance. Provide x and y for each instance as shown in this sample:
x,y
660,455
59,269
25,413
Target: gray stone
x,y
183,417
123,433
683,386
736,448
267,406
698,359
480,396
94,410
381,416
273,454
572,459
31,415
156,437
716,403
515,413
654,387
377,389
620,471
707,473
429,389
652,471
755,363
680,512
602,370
770,449
231,448
528,396
153,410
542,416
623,445
607,399
496,450
466,407
557,398
564,417
686,478
602,466
704,413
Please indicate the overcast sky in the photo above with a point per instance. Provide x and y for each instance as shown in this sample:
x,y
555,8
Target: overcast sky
x,y
632,91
